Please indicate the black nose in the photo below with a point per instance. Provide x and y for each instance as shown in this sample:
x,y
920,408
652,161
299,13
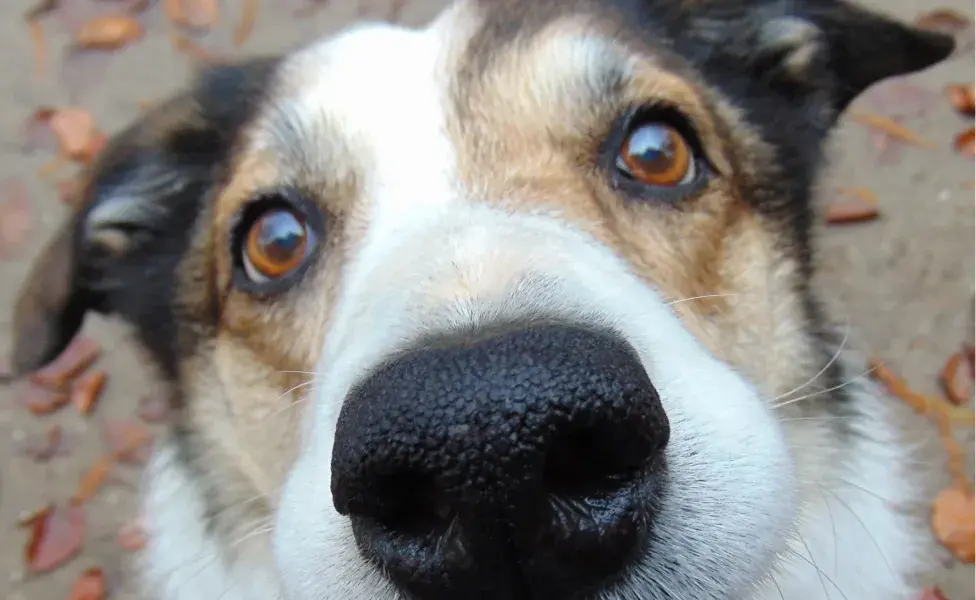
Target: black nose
x,y
518,465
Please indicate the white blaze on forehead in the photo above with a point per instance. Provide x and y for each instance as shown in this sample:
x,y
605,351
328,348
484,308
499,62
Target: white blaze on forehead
x,y
383,92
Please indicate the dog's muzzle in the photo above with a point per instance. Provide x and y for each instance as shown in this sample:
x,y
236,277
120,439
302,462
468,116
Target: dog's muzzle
x,y
519,464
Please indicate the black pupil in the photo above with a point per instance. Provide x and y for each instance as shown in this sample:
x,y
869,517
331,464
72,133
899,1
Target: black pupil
x,y
653,147
281,235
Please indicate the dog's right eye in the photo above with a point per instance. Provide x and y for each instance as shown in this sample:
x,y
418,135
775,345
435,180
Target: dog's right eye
x,y
274,241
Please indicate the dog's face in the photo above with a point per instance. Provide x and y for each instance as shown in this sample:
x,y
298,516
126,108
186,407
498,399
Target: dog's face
x,y
500,308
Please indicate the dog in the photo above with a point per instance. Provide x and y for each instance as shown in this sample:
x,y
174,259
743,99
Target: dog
x,y
515,306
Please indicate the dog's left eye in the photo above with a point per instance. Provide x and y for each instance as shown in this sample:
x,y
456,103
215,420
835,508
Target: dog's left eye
x,y
274,241
277,244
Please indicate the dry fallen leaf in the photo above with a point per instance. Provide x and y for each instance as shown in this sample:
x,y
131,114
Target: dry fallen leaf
x,y
962,98
943,20
154,408
41,400
93,479
965,142
861,206
128,441
892,128
954,524
78,356
132,536
16,220
90,585
56,536
956,380
39,41
185,45
86,390
932,593
110,32
44,446
850,211
76,131
193,14
921,403
245,27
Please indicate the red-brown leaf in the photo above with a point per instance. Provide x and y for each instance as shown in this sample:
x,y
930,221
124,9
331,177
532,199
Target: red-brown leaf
x,y
956,380
954,522
86,390
90,585
109,32
944,20
16,220
56,536
41,400
76,131
962,98
93,479
78,356
965,142
932,593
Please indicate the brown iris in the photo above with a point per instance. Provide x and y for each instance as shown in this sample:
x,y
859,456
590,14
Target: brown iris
x,y
276,243
656,154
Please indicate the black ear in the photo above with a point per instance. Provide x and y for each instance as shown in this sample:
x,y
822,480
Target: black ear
x,y
831,48
863,47
118,252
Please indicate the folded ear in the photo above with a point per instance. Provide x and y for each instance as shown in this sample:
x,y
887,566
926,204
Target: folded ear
x,y
831,48
118,252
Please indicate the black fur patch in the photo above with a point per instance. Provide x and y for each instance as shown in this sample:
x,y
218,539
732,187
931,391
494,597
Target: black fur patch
x,y
139,284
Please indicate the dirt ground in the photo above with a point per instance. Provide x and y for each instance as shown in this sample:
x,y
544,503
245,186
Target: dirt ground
x,y
905,282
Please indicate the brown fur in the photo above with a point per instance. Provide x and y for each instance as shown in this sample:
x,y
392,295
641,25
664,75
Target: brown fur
x,y
714,255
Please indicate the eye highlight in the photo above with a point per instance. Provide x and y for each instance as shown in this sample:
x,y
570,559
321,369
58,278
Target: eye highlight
x,y
274,241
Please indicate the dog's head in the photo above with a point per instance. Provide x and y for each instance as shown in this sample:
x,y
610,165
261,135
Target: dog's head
x,y
543,266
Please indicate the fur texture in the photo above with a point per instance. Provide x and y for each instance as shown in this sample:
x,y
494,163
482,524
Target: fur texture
x,y
462,176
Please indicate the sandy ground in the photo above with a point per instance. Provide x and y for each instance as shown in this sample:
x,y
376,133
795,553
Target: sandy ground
x,y
905,283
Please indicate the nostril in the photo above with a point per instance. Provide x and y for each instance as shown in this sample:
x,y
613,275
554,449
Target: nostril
x,y
408,502
593,461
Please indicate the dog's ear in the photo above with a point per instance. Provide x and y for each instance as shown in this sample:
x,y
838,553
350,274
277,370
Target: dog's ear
x,y
118,251
832,48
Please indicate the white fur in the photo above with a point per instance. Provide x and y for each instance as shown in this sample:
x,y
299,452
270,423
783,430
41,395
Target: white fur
x,y
857,526
182,561
433,260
